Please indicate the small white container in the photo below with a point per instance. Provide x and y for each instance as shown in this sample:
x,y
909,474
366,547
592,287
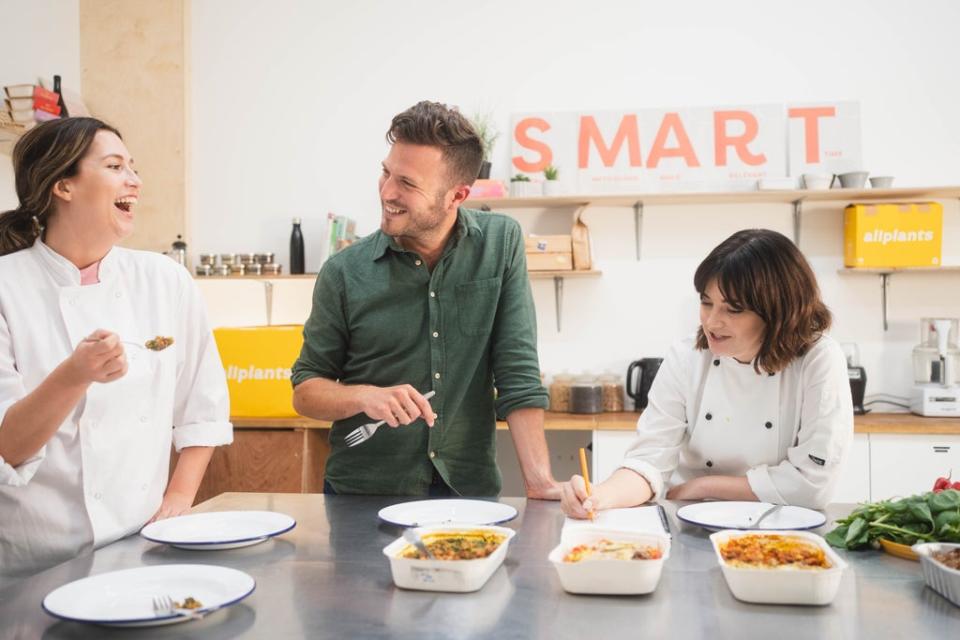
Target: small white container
x,y
445,575
940,578
782,585
610,577
817,181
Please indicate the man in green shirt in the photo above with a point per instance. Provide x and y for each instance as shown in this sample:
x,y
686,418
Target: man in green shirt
x,y
437,300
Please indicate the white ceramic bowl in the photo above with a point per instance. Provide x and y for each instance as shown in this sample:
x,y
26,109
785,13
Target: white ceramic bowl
x,y
445,575
785,585
817,181
942,579
611,577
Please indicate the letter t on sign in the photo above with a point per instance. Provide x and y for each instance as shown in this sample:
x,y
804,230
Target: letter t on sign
x,y
811,128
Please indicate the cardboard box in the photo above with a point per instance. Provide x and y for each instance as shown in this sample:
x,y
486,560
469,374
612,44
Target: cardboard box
x,y
258,362
893,235
548,244
538,261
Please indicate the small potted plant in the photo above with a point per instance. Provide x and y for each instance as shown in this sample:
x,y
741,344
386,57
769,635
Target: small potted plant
x,y
551,186
522,187
483,124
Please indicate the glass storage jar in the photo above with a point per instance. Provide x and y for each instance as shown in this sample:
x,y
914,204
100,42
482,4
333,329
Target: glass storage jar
x,y
586,395
560,392
612,393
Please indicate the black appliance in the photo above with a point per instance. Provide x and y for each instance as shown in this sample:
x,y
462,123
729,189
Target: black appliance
x,y
645,369
858,388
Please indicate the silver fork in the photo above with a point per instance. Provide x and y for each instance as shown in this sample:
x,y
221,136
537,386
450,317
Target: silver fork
x,y
164,606
763,516
364,432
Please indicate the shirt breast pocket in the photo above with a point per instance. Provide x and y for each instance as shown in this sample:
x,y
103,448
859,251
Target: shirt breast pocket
x,y
477,305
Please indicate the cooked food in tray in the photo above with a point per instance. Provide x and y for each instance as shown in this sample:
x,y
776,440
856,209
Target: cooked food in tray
x,y
159,343
949,559
188,603
611,550
765,551
456,545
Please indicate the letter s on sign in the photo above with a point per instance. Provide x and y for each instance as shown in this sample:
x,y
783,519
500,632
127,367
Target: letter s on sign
x,y
522,137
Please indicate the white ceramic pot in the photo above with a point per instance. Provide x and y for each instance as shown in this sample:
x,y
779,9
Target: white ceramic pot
x,y
552,188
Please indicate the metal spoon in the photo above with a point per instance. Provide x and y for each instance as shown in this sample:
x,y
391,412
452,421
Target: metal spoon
x,y
411,536
763,516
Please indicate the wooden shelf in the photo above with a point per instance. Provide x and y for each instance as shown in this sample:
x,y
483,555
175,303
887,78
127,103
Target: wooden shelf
x,y
722,197
301,276
886,272
905,423
569,273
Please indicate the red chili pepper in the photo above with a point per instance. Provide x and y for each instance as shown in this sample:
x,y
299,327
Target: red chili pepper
x,y
955,485
943,483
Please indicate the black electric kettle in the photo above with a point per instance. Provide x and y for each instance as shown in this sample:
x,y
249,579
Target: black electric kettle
x,y
646,369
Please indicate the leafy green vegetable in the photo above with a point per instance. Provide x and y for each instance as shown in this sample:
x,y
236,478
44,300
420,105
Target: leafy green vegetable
x,y
926,517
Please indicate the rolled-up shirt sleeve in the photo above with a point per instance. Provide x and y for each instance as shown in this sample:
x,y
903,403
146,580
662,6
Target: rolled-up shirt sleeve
x,y
516,368
325,336
201,416
11,391
810,472
662,426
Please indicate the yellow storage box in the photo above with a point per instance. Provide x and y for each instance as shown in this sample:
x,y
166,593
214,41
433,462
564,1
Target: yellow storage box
x,y
893,235
258,362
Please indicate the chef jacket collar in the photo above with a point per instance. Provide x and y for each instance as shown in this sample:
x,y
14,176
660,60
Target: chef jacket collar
x,y
64,272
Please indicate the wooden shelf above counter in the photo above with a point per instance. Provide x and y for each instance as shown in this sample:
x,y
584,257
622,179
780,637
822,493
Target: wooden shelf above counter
x,y
906,423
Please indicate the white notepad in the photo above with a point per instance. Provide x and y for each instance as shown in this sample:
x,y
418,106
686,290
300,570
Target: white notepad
x,y
647,519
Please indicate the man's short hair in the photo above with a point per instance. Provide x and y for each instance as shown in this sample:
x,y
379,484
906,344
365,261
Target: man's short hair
x,y
434,124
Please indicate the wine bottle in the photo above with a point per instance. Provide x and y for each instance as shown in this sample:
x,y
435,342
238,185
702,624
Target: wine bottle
x,y
60,102
296,248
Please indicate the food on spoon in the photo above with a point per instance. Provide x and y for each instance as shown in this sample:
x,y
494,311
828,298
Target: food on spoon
x,y
604,549
188,603
456,545
159,343
766,551
948,558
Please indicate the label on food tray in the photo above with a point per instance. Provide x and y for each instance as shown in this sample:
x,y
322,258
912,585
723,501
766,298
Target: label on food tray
x,y
430,575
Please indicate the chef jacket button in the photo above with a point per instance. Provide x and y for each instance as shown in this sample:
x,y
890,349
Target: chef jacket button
x,y
437,376
143,487
716,362
436,335
709,463
433,294
768,425
709,416
97,495
418,262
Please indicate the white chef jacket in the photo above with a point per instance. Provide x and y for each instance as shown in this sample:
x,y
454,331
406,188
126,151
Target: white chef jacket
x,y
104,472
787,432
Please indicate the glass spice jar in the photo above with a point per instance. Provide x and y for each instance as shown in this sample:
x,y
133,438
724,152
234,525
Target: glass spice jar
x,y
612,392
560,393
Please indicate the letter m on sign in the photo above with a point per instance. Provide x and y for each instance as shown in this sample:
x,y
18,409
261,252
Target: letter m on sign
x,y
627,133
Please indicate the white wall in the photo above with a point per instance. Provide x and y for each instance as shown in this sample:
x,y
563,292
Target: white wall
x,y
290,101
38,39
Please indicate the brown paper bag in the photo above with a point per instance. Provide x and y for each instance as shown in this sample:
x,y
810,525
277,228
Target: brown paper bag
x,y
580,235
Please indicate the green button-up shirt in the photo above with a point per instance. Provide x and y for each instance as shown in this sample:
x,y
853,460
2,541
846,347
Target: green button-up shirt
x,y
380,317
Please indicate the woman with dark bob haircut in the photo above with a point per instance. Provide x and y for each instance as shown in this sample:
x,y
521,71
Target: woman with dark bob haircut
x,y
88,411
755,406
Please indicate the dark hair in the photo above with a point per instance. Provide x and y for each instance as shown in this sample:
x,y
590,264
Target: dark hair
x,y
763,271
437,125
49,152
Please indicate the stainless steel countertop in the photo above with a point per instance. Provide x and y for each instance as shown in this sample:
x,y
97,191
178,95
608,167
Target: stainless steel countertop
x,y
328,579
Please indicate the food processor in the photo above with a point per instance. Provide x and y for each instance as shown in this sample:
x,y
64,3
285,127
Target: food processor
x,y
936,364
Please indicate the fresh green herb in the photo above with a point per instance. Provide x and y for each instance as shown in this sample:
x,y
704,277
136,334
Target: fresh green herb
x,y
927,517
520,178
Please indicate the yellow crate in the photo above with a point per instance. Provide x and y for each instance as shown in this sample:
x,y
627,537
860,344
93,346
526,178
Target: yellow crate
x,y
258,361
893,235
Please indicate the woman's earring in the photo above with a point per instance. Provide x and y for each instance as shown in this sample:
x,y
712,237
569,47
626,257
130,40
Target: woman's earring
x,y
37,229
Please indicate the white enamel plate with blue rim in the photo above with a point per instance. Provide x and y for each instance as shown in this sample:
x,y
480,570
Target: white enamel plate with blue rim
x,y
125,598
720,515
218,529
453,511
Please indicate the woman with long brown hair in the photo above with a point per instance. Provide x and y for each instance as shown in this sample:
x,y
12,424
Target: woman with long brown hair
x,y
755,406
87,411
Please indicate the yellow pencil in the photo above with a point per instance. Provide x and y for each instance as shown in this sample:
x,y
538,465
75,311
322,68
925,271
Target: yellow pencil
x,y
586,474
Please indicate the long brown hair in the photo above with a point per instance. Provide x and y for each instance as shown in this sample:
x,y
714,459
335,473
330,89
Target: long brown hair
x,y
49,152
434,124
763,271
